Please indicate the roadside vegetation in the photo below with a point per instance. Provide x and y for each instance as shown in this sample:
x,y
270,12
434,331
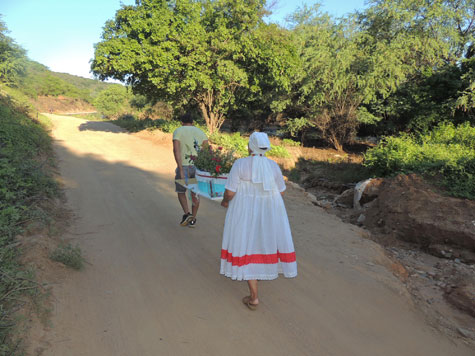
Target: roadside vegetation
x,y
26,185
446,152
69,255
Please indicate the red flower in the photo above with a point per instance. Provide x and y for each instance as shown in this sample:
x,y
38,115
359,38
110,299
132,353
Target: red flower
x,y
220,148
192,158
218,168
218,159
213,159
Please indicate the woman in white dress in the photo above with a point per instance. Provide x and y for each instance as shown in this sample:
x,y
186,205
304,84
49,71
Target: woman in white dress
x,y
257,242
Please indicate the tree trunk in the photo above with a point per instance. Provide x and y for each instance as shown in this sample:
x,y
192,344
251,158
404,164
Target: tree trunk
x,y
214,120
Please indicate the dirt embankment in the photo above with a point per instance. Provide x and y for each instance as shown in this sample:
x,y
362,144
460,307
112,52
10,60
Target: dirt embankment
x,y
410,209
63,105
430,234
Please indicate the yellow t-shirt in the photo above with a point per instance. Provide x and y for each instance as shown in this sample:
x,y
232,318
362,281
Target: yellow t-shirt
x,y
189,137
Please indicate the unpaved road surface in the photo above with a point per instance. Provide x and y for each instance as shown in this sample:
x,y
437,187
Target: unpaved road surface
x,y
153,288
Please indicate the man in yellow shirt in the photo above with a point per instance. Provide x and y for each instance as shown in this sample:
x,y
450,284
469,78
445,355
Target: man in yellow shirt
x,y
185,141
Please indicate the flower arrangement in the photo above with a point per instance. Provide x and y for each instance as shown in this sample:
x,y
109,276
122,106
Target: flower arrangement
x,y
215,161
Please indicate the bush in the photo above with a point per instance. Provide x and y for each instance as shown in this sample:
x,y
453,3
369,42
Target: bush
x,y
447,151
22,177
278,151
231,142
167,125
290,142
113,101
24,182
68,255
235,142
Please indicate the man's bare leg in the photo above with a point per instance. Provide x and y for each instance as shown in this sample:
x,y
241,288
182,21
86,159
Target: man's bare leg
x,y
183,202
195,204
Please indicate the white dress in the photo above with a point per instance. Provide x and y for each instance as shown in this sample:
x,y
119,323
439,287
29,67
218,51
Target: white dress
x,y
257,242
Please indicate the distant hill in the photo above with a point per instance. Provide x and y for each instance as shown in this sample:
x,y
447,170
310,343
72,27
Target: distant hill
x,y
38,86
92,85
39,81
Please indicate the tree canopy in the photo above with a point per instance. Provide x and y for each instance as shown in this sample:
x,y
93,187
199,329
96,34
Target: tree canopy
x,y
203,53
399,65
113,101
12,58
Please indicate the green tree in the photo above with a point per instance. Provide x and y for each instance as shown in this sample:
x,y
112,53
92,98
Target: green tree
x,y
339,74
466,100
113,101
12,58
200,52
424,42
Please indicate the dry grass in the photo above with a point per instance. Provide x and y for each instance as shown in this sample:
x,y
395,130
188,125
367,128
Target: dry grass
x,y
309,165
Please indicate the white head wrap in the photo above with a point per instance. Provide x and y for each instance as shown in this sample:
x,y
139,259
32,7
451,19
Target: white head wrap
x,y
262,171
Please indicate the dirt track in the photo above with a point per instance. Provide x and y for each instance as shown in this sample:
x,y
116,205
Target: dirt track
x,y
153,287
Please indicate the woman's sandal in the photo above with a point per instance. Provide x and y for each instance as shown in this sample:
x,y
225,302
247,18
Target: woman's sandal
x,y
247,303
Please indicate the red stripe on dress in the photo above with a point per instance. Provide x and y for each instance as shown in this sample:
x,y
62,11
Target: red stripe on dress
x,y
258,258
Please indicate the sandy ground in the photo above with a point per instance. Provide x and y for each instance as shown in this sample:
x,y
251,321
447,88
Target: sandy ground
x,y
153,288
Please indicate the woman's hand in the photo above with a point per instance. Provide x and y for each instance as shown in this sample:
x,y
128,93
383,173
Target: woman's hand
x,y
228,195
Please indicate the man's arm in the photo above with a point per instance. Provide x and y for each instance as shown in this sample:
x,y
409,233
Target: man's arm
x,y
177,154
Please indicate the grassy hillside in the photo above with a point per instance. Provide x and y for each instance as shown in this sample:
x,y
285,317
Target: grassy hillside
x,y
40,81
26,185
92,86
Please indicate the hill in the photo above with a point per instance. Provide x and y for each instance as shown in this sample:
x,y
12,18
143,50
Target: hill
x,y
39,81
93,86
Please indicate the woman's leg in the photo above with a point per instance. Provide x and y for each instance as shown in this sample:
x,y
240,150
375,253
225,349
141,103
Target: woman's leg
x,y
253,291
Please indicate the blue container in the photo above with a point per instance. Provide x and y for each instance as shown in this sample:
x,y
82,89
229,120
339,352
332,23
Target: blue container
x,y
207,184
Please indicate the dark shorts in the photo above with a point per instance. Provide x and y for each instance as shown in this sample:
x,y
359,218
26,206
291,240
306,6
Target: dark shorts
x,y
189,172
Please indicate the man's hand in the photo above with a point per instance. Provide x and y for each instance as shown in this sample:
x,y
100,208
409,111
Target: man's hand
x,y
224,203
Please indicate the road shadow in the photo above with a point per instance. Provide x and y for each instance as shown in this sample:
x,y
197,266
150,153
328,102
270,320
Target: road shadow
x,y
102,126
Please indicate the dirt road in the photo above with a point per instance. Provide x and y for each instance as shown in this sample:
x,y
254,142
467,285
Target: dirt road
x,y
153,288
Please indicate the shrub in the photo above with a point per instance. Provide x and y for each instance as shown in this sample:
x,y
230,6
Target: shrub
x,y
278,151
113,101
447,151
68,255
24,182
166,125
231,142
22,177
290,142
238,144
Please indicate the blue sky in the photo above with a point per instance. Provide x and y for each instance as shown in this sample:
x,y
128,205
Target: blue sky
x,y
61,33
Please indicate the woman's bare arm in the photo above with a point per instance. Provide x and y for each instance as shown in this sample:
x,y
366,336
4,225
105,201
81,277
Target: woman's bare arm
x,y
228,196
